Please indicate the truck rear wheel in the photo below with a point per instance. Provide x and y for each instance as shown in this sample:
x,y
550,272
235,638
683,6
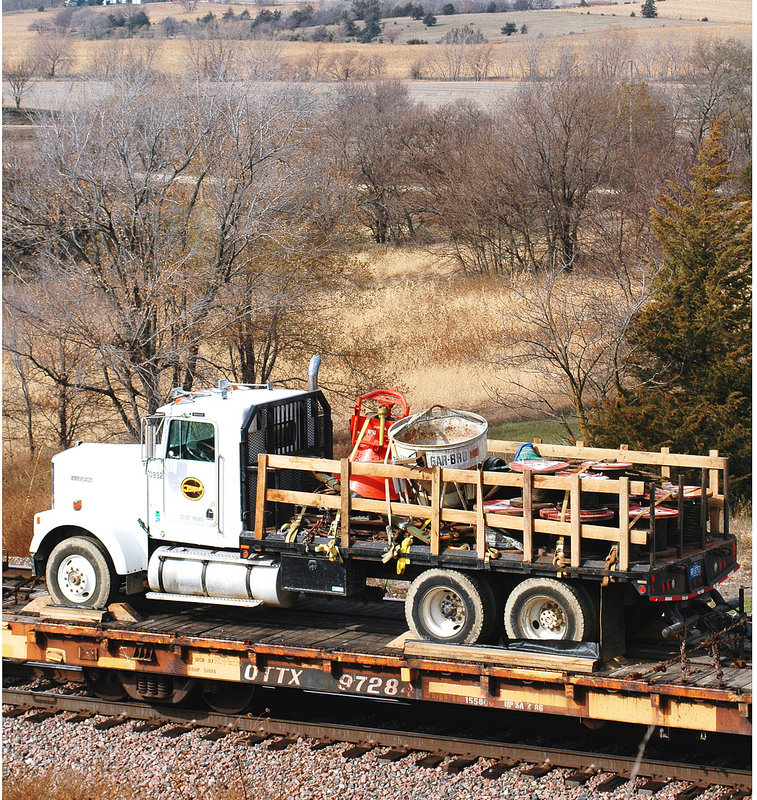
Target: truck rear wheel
x,y
444,605
548,609
79,574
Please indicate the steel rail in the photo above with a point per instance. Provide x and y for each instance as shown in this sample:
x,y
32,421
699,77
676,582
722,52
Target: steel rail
x,y
354,734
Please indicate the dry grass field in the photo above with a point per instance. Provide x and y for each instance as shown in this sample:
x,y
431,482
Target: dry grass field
x,y
679,22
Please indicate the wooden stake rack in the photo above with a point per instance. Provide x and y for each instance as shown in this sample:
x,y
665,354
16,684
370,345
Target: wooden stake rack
x,y
430,506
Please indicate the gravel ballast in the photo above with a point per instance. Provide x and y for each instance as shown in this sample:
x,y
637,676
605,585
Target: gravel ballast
x,y
147,765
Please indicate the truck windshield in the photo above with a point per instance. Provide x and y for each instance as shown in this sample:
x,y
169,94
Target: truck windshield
x,y
191,441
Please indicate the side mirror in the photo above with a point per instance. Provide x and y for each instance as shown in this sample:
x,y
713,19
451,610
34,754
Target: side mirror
x,y
152,428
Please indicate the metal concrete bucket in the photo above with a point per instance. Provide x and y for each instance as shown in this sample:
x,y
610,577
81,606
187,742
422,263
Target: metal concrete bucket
x,y
445,437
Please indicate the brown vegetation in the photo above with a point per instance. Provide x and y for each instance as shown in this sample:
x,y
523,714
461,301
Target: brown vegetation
x,y
177,231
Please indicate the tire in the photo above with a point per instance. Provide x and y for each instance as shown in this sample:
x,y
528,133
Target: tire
x,y
547,609
79,574
494,601
444,605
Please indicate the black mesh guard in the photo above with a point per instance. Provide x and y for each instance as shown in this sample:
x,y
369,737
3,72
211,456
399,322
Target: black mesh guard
x,y
297,426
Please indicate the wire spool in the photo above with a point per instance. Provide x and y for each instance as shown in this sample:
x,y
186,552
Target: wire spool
x,y
587,515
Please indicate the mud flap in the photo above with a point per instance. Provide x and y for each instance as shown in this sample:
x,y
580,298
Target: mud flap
x,y
612,621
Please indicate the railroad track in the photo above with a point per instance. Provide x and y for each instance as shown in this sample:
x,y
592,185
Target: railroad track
x,y
452,754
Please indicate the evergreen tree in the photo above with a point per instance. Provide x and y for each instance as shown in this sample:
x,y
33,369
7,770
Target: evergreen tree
x,y
689,348
649,9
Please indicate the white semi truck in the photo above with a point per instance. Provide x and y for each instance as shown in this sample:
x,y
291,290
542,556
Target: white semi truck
x,y
185,517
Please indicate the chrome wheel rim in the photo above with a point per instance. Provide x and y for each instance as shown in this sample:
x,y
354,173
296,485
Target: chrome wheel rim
x,y
542,617
443,612
76,579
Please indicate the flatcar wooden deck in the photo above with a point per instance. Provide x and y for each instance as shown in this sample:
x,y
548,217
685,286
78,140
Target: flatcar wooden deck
x,y
350,647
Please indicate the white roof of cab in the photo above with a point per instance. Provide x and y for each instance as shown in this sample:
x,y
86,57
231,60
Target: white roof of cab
x,y
233,401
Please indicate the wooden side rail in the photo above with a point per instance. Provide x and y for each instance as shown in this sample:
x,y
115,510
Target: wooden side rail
x,y
714,467
431,506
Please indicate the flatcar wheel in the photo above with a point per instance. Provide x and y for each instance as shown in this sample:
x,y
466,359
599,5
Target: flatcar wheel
x,y
227,697
548,609
105,684
444,605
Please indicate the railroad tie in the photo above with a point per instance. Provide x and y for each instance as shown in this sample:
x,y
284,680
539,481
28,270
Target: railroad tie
x,y
652,787
176,731
322,744
256,738
459,764
497,770
395,754
580,777
280,744
41,716
357,751
430,762
611,784
538,770
736,794
694,791
113,722
17,711
147,727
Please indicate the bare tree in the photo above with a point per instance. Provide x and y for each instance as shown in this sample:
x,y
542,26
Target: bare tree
x,y
718,84
150,205
52,51
373,136
210,56
479,60
20,76
189,6
562,340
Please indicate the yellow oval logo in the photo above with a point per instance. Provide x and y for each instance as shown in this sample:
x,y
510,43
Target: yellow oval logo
x,y
192,488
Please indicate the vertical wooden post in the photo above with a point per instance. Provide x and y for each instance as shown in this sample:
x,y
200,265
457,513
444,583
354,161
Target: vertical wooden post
x,y
681,512
715,486
726,504
652,524
480,525
665,470
260,496
624,539
436,503
575,520
528,516
703,508
344,518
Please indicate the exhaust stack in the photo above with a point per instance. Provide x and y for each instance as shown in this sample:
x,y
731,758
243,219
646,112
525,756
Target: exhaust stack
x,y
315,364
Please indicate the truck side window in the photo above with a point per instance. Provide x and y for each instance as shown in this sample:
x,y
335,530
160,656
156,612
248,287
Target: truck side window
x,y
191,441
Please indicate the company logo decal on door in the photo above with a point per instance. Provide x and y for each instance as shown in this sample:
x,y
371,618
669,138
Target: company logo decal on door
x,y
192,488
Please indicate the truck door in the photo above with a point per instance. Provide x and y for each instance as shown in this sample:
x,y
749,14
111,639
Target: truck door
x,y
190,484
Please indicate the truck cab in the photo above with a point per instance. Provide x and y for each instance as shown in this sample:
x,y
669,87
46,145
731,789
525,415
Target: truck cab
x,y
187,486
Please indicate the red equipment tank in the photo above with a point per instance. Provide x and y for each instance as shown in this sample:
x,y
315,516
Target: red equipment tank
x,y
370,440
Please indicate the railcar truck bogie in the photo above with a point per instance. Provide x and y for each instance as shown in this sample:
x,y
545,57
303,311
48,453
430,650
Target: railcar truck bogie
x,y
234,498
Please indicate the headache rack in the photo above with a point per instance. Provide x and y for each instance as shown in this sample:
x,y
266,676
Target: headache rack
x,y
296,426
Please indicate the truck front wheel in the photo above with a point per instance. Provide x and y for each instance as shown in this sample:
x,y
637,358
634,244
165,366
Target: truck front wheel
x,y
444,605
79,574
548,609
